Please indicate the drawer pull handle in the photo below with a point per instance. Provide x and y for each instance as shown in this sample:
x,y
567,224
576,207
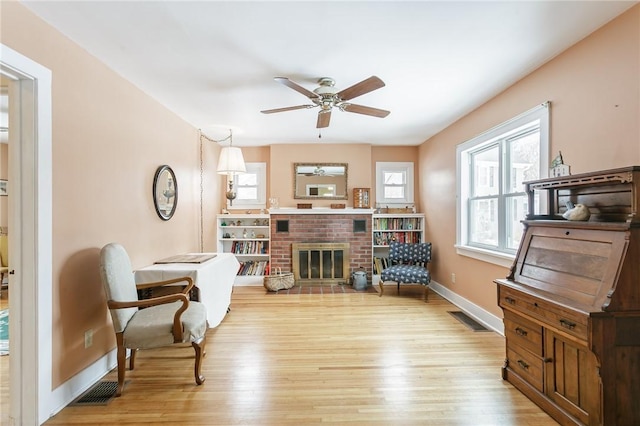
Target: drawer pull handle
x,y
521,332
567,324
523,364
510,300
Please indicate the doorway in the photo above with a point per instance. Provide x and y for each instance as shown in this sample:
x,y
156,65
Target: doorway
x,y
30,239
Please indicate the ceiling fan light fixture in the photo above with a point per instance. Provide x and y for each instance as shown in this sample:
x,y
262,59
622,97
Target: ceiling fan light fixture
x,y
326,87
324,91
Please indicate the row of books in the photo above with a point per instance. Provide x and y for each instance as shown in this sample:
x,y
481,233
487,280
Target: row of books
x,y
391,223
254,267
380,264
250,247
384,238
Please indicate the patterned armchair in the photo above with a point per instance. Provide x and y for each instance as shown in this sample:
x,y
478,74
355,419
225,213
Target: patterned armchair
x,y
409,264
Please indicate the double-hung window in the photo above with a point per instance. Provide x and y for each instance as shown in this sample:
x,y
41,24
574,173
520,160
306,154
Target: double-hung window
x,y
250,187
491,199
394,183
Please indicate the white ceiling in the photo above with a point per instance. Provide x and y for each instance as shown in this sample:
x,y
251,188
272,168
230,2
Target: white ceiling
x,y
213,62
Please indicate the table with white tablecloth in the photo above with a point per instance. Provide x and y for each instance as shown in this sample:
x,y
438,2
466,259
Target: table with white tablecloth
x,y
213,278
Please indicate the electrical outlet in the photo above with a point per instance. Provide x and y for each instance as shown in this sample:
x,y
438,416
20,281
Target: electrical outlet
x,y
88,338
453,278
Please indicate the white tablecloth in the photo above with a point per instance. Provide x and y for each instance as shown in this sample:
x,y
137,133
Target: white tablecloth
x,y
214,278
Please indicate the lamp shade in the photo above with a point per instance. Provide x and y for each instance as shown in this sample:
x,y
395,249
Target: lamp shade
x,y
231,161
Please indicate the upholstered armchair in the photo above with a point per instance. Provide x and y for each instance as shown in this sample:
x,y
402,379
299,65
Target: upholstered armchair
x,y
408,264
165,320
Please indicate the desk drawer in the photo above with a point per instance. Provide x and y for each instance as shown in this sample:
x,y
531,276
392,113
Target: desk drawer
x,y
526,365
556,316
523,332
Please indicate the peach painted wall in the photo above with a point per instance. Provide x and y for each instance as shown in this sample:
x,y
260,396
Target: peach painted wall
x,y
108,140
357,156
594,89
281,182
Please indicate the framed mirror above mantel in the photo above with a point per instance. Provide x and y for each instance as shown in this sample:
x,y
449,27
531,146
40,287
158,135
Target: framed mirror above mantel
x,y
320,181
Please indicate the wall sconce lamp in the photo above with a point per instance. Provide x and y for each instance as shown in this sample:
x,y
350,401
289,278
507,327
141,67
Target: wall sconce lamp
x,y
231,162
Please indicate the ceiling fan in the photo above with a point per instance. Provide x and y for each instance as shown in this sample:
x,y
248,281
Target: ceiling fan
x,y
316,170
326,97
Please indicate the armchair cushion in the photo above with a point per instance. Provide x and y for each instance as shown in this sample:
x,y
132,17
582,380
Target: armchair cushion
x,y
410,274
152,327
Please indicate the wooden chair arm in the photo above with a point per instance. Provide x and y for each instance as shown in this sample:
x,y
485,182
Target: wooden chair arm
x,y
145,303
186,290
169,298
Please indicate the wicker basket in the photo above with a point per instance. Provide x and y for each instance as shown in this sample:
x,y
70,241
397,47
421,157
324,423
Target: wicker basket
x,y
279,280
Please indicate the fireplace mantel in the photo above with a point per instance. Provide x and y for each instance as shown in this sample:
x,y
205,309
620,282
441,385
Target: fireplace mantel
x,y
320,210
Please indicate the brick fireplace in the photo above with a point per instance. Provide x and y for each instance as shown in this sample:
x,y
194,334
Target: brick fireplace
x,y
299,226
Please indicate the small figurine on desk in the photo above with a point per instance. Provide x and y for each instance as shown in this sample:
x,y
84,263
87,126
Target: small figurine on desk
x,y
558,168
576,212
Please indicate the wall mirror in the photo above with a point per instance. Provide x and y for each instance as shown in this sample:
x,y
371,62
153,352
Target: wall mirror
x,y
326,181
165,192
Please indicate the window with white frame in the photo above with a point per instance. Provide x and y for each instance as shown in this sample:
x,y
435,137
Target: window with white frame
x,y
250,187
491,168
394,183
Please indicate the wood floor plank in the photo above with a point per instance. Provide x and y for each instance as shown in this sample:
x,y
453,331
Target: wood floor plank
x,y
324,358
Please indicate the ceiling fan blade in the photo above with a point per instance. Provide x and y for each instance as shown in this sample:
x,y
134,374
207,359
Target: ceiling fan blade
x,y
271,111
361,109
323,119
365,86
295,86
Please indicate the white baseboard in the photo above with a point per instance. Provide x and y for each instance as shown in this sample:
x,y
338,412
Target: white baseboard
x,y
66,393
474,311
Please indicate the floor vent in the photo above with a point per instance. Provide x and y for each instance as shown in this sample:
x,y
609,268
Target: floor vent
x,y
468,321
99,394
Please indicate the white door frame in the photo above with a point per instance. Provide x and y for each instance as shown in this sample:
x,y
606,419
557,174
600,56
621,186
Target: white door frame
x,y
30,236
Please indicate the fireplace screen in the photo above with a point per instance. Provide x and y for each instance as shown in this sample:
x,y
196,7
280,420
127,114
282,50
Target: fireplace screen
x,y
320,262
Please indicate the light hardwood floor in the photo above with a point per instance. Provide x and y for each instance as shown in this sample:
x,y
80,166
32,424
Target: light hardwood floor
x,y
311,359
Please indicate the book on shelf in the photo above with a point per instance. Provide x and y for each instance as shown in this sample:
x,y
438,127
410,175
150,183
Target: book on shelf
x,y
253,267
380,264
385,238
399,223
250,247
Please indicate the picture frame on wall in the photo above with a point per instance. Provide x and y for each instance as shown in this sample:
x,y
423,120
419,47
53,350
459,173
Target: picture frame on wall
x,y
3,188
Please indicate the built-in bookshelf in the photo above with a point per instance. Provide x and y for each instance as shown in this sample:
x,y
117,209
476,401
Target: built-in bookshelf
x,y
388,227
247,237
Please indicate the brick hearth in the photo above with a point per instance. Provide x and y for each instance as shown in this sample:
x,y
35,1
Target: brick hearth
x,y
314,228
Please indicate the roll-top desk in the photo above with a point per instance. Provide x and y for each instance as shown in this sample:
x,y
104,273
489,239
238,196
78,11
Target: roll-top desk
x,y
571,302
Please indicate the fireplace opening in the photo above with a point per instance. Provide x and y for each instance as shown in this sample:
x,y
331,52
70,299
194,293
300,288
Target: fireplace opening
x,y
320,263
